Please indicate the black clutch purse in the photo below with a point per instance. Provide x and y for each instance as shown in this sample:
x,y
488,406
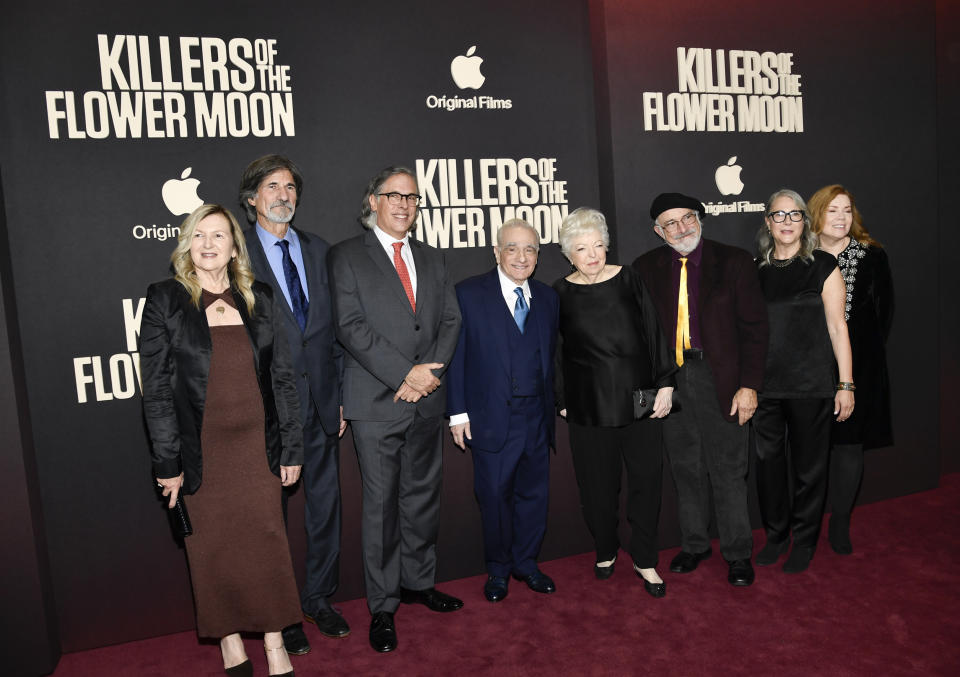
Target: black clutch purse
x,y
643,399
179,517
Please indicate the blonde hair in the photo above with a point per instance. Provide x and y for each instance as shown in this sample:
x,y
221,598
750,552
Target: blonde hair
x,y
241,277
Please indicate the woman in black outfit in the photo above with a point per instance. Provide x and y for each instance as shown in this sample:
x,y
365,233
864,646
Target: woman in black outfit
x,y
869,312
805,296
222,411
610,345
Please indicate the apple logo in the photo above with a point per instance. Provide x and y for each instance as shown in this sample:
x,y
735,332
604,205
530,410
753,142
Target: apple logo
x,y
728,178
180,196
465,70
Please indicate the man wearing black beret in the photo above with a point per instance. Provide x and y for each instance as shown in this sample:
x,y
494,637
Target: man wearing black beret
x,y
711,308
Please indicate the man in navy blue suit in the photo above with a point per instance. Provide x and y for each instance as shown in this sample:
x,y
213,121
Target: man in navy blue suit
x,y
500,397
294,263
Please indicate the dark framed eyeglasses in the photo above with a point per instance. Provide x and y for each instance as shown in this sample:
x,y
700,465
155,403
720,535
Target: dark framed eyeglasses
x,y
780,216
397,198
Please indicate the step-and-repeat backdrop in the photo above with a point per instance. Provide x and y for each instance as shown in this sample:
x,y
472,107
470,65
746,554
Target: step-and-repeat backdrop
x,y
120,119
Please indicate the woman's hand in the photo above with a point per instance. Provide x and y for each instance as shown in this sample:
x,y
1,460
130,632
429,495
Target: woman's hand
x,y
171,487
843,404
289,474
663,404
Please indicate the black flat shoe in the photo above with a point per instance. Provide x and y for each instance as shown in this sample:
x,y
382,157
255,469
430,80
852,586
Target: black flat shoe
x,y
244,669
603,573
657,590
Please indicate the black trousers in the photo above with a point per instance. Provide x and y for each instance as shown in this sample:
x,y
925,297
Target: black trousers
x,y
805,423
708,452
599,454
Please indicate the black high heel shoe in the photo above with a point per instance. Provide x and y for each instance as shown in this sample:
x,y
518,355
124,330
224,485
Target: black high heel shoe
x,y
244,669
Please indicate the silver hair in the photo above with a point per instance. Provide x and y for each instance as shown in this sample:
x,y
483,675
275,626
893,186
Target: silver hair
x,y
581,221
368,218
765,243
517,223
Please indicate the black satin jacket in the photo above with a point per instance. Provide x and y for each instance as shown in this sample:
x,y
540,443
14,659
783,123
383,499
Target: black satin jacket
x,y
175,351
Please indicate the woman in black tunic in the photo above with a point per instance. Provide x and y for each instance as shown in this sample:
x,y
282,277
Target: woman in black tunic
x,y
610,345
805,296
869,312
222,412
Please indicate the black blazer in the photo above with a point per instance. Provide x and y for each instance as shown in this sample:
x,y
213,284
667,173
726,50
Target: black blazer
x,y
175,351
316,356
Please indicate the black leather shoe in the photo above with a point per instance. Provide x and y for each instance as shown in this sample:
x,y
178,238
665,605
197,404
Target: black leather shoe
x,y
771,552
685,562
495,589
839,534
740,573
603,573
295,640
798,560
431,598
329,623
383,634
538,582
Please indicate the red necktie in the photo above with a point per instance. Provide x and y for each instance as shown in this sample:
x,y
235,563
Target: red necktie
x,y
404,274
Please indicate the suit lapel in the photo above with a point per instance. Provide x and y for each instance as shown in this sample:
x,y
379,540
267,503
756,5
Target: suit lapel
x,y
311,272
495,307
385,264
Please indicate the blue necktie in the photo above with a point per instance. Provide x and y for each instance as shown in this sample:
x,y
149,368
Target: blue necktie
x,y
298,300
521,309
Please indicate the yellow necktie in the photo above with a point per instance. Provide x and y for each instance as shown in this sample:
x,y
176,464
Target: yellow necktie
x,y
683,314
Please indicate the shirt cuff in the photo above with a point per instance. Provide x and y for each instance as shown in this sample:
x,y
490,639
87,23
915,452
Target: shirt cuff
x,y
457,419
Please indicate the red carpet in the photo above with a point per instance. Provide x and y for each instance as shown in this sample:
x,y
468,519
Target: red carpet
x,y
891,608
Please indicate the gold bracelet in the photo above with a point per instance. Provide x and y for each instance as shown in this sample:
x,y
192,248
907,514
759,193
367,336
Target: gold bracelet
x,y
846,385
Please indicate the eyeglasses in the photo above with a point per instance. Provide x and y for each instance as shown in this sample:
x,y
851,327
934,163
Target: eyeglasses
x,y
672,225
397,198
780,216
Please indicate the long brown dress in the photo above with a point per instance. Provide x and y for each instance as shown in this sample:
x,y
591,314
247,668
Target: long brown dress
x,y
240,563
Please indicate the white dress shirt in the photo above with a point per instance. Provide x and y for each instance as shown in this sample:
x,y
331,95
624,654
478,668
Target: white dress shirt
x,y
405,254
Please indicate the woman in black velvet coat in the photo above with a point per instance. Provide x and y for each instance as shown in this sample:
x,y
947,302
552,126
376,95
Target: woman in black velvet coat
x,y
869,313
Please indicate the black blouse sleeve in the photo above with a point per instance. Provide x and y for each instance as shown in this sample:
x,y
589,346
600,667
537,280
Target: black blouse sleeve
x,y
661,356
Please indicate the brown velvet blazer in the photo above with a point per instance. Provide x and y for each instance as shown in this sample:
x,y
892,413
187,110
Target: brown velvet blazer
x,y
733,314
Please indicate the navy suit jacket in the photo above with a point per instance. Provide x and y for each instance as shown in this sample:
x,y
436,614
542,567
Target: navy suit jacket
x,y
478,381
317,357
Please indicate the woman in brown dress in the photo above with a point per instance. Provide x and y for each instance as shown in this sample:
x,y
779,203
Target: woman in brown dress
x,y
221,407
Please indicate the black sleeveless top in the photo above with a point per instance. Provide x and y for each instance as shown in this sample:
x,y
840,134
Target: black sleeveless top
x,y
800,362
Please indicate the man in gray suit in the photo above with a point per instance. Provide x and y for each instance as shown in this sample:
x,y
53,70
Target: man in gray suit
x,y
294,263
398,321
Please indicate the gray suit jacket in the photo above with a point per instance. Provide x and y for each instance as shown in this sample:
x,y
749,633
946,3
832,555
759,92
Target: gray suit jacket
x,y
382,336
316,356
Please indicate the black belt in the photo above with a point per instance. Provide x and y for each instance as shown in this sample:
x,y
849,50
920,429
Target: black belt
x,y
693,354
